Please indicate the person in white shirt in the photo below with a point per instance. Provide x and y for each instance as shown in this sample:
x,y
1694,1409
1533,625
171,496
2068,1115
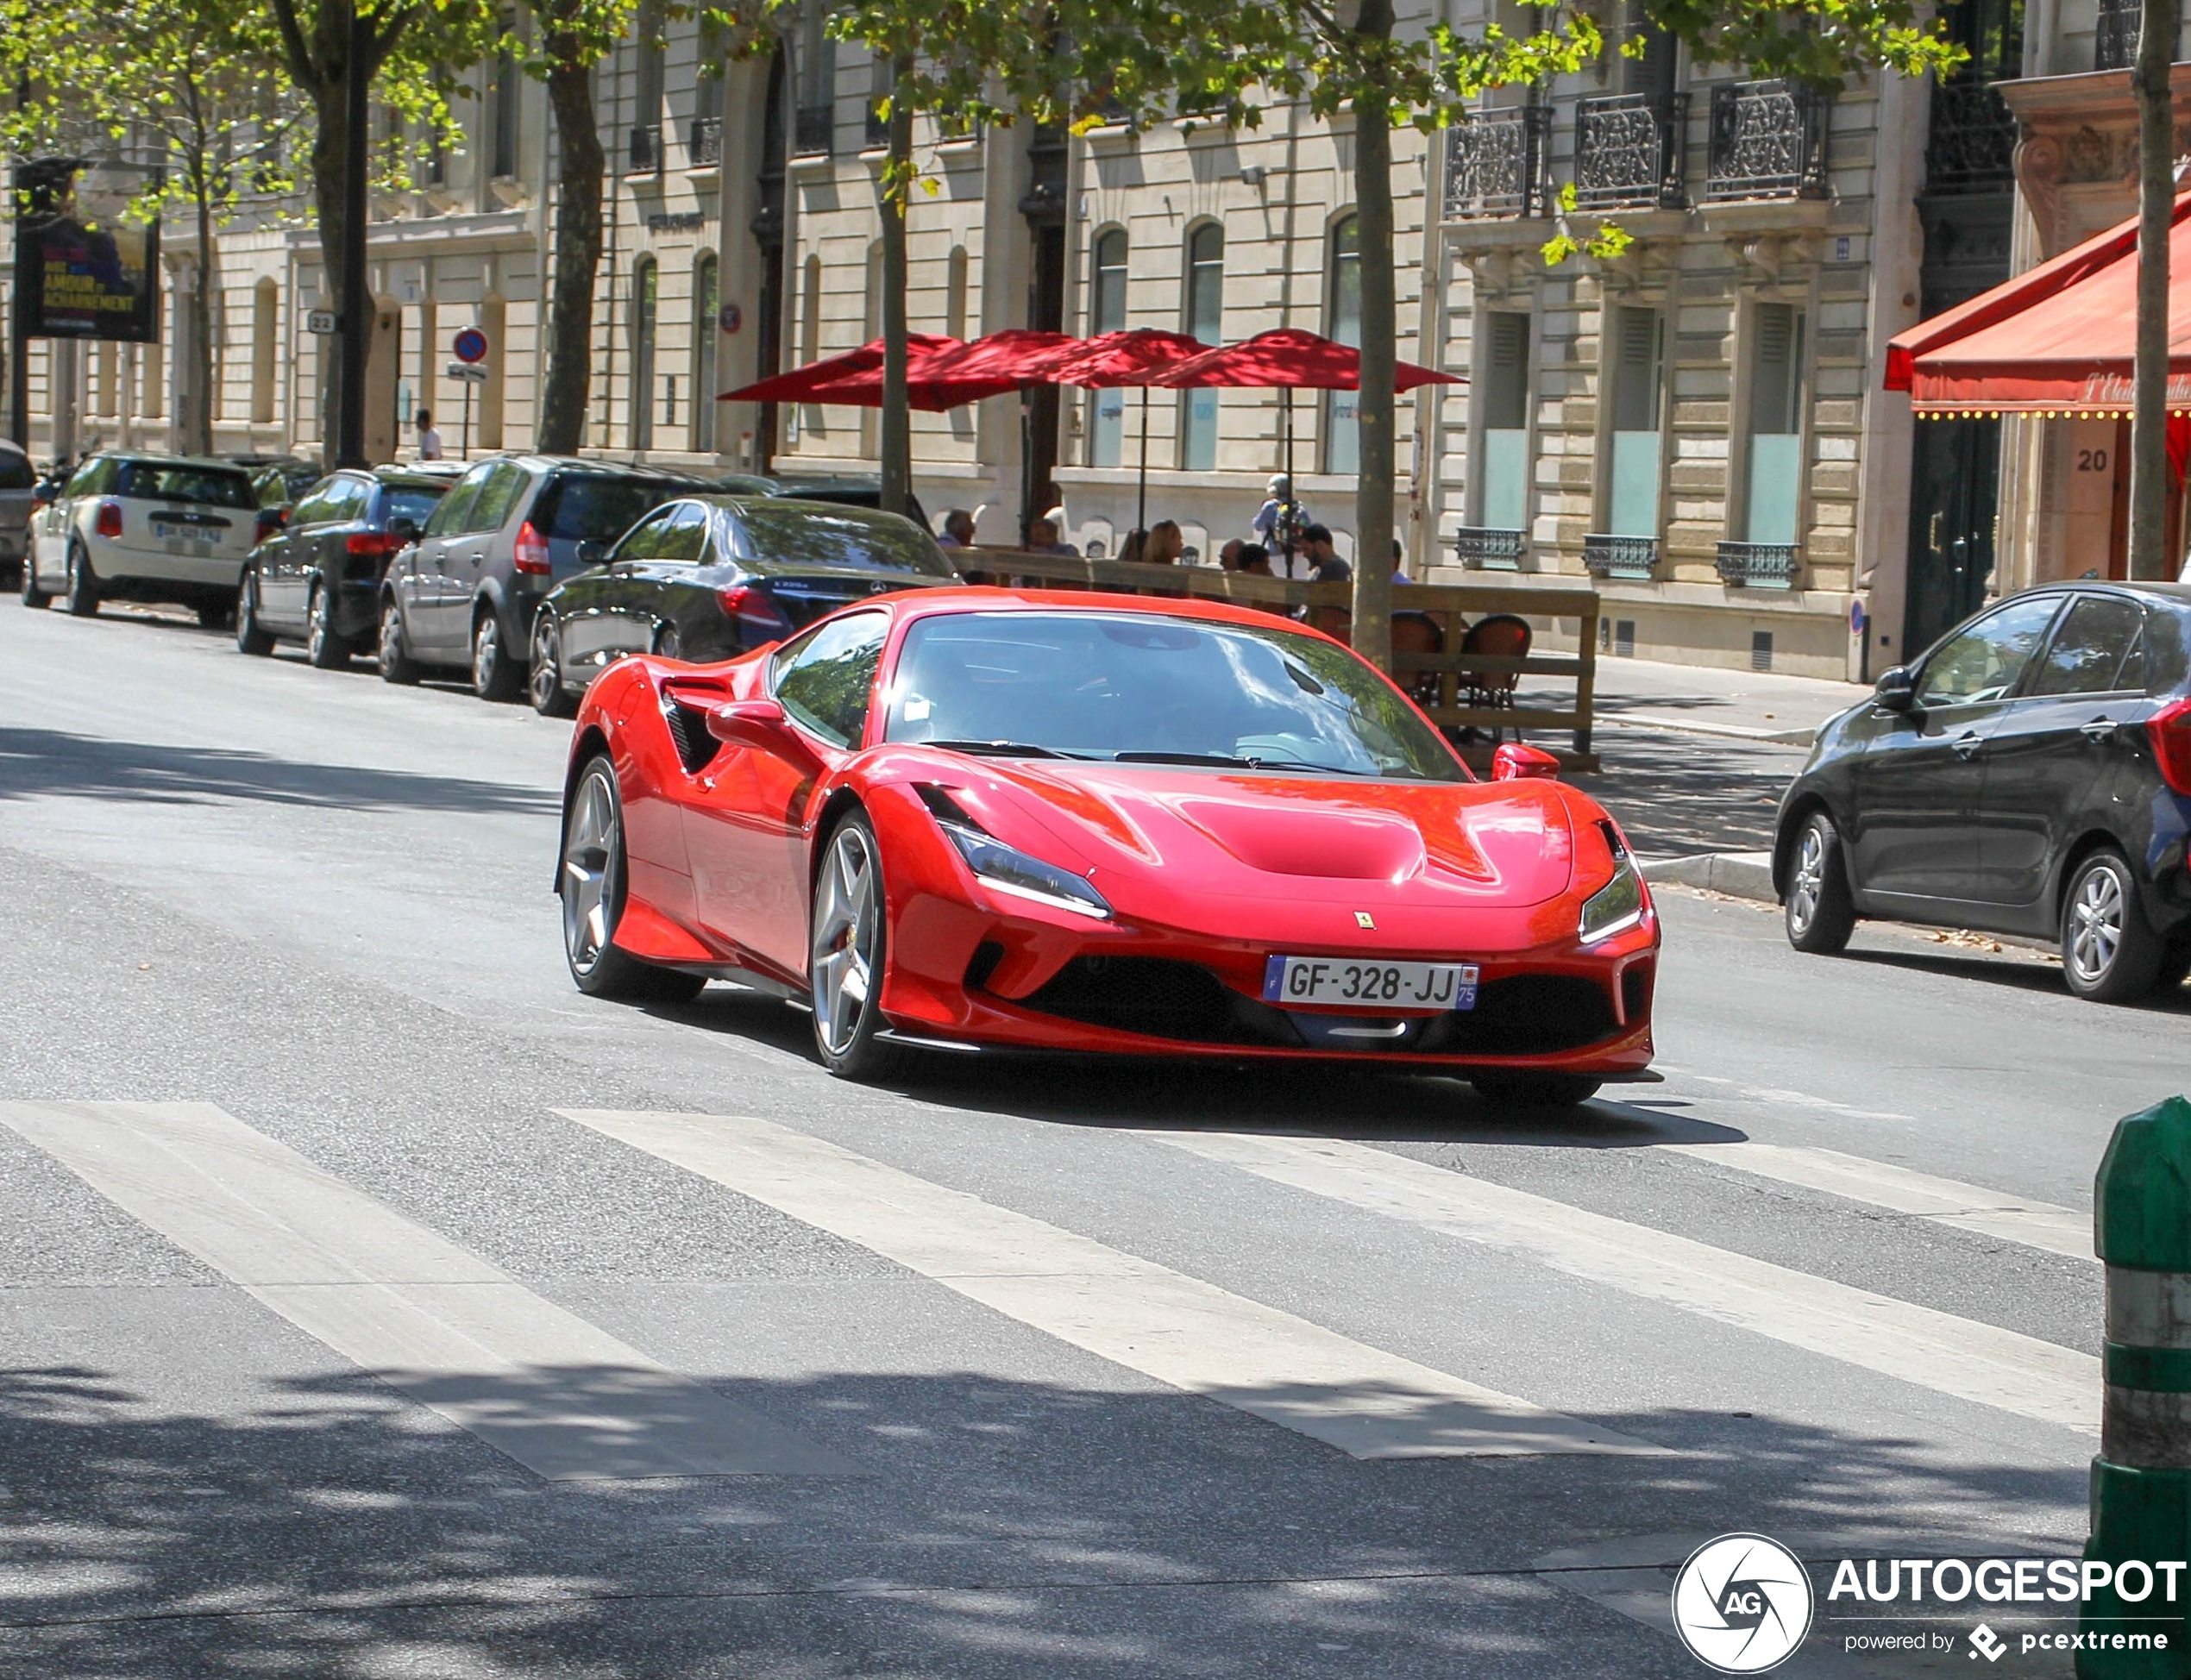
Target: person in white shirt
x,y
429,440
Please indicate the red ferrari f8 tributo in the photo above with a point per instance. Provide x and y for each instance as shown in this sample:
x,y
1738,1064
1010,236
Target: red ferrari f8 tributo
x,y
975,818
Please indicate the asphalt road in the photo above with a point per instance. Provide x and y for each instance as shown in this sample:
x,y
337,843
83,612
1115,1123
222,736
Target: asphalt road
x,y
365,1309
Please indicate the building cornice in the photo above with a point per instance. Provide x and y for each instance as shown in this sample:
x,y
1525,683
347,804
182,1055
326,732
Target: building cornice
x,y
429,235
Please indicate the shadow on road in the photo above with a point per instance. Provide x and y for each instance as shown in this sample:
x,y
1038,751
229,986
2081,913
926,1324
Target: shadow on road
x,y
1003,1528
2022,976
37,763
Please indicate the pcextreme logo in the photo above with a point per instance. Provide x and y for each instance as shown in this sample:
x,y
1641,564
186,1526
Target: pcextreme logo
x,y
1742,1603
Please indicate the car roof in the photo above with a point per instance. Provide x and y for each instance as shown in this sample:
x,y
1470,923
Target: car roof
x,y
2177,593
592,464
144,458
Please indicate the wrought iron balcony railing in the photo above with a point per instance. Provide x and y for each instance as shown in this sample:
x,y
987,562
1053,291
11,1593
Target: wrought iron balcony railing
x,y
646,146
1497,163
1629,150
2116,47
1768,140
1489,548
1621,556
814,131
1970,143
704,145
1759,565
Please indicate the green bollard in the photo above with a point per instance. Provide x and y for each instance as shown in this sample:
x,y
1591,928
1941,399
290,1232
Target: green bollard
x,y
2140,1482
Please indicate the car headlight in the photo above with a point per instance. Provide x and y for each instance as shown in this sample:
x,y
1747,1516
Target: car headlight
x,y
1618,904
1006,869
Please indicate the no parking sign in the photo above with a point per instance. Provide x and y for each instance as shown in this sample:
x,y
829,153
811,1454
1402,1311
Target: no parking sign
x,y
470,345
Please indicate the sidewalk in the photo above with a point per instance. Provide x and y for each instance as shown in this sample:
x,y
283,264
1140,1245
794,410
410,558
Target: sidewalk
x,y
1755,705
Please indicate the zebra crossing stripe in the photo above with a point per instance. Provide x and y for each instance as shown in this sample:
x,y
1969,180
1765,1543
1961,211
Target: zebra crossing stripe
x,y
449,1330
2021,1219
1179,1329
1933,1350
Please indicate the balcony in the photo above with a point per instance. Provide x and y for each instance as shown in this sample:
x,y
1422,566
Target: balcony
x,y
1489,550
1759,565
814,131
1971,144
1768,140
703,148
1630,151
645,147
2116,45
1636,558
1497,164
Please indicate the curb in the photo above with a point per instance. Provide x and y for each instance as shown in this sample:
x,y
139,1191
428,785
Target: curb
x,y
1771,737
1738,874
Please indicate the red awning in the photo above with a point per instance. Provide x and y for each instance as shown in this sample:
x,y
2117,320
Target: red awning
x,y
1289,357
2058,339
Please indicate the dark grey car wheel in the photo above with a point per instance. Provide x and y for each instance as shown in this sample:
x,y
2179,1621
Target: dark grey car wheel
x,y
495,674
1820,913
395,663
81,590
251,637
33,596
2110,952
324,647
849,954
544,671
591,886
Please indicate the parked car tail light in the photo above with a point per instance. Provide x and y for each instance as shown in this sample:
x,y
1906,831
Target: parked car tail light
x,y
532,551
372,542
753,609
2170,730
109,519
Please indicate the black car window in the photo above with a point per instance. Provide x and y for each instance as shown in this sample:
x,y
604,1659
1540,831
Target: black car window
x,y
685,535
599,507
826,680
499,493
15,473
816,533
644,540
315,508
414,502
2098,638
337,502
145,480
456,506
1983,661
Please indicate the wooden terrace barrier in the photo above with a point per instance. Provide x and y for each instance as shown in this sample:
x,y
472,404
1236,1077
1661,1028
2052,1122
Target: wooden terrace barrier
x,y
1439,681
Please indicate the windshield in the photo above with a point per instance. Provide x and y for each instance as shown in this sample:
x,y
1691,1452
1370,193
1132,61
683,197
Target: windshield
x,y
1156,689
143,481
812,535
413,502
594,507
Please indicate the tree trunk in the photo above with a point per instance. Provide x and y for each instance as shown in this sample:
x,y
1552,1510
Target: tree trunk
x,y
578,256
1373,634
199,421
331,137
897,187
2149,458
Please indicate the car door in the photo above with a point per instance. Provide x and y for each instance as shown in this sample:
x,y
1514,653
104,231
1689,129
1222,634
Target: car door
x,y
415,575
1915,829
2051,754
589,605
464,557
644,585
284,557
57,523
746,833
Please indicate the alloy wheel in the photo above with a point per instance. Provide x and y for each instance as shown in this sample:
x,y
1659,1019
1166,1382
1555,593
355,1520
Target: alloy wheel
x,y
544,683
486,653
590,865
2096,923
846,917
1809,878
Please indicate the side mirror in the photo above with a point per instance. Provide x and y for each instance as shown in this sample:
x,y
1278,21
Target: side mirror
x,y
1514,763
759,724
594,552
1896,689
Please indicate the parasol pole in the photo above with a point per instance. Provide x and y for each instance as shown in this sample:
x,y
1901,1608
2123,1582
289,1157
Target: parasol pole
x,y
1141,508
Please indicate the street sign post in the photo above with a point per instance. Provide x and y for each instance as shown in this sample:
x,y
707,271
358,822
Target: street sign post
x,y
467,371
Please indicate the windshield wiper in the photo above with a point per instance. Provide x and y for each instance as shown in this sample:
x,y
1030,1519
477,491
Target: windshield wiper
x,y
997,749
1228,761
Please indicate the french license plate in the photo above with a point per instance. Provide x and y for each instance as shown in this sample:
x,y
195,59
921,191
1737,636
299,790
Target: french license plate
x,y
1370,985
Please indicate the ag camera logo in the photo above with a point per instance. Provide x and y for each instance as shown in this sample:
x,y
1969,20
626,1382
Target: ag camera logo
x,y
1742,1603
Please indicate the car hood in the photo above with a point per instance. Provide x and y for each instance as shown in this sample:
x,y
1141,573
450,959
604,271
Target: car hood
x,y
1293,836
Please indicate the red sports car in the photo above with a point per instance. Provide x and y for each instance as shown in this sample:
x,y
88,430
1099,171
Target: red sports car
x,y
972,818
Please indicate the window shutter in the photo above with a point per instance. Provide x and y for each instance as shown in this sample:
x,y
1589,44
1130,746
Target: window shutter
x,y
1507,383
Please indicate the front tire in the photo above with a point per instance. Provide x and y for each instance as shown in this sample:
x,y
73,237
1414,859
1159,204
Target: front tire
x,y
1820,913
2110,953
251,637
591,887
494,673
33,596
544,672
324,647
848,955
1533,1090
395,663
81,590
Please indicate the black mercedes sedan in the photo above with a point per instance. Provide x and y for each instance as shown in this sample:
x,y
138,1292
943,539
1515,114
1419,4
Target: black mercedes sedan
x,y
2029,774
710,577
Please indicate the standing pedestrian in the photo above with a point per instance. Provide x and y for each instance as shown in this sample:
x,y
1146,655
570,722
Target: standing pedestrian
x,y
429,440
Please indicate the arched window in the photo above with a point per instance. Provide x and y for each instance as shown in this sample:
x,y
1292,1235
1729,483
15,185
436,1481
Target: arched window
x,y
705,336
266,349
1202,317
1343,321
1107,314
645,292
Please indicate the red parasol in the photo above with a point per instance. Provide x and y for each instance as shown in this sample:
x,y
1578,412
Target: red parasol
x,y
841,378
1288,357
1135,357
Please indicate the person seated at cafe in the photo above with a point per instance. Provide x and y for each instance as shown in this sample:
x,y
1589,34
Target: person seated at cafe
x,y
958,529
1400,562
1322,557
1130,547
1254,560
1043,539
1165,545
1229,557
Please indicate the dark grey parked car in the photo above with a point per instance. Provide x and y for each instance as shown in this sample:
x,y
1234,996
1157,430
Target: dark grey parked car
x,y
463,596
17,479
